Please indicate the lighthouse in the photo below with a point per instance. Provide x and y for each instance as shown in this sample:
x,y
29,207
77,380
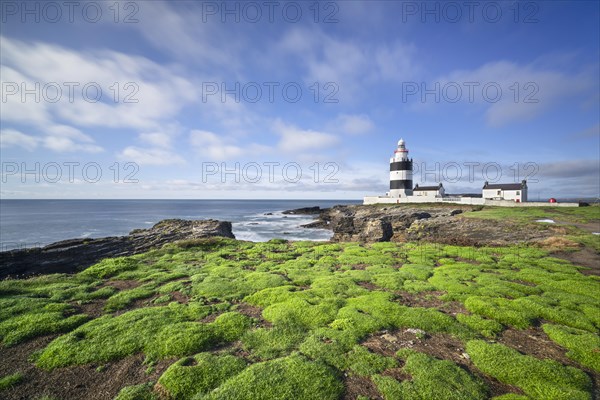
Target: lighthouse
x,y
400,172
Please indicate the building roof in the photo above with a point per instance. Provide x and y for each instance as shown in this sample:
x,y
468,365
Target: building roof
x,y
506,186
428,188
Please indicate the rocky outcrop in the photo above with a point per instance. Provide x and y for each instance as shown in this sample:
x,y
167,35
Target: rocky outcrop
x,y
433,223
77,254
303,211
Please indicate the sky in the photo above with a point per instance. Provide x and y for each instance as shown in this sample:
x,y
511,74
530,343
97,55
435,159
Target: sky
x,y
296,99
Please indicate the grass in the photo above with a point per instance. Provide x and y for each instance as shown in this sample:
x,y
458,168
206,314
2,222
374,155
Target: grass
x,y
159,332
9,381
266,344
584,347
196,376
292,377
126,297
312,305
486,327
137,392
539,379
528,214
365,363
39,322
431,379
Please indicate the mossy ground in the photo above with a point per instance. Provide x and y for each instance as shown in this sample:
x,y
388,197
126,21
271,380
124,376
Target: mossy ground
x,y
279,320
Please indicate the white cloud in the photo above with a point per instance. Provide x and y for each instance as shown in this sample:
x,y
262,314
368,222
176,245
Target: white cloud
x,y
60,138
14,138
214,147
348,64
65,144
137,92
63,138
158,139
296,140
353,124
526,90
591,132
150,156
184,34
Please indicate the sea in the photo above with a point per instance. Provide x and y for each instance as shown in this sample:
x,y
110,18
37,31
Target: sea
x,y
36,223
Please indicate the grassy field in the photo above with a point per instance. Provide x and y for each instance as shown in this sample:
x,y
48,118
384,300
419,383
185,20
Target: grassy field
x,y
529,214
224,319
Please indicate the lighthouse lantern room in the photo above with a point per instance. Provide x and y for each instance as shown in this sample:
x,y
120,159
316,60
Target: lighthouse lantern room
x,y
401,172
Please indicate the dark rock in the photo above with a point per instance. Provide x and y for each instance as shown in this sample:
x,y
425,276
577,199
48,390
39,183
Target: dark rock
x,y
74,255
318,224
456,212
421,215
304,211
268,213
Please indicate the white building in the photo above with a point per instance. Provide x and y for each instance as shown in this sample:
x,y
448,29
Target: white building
x,y
429,191
506,191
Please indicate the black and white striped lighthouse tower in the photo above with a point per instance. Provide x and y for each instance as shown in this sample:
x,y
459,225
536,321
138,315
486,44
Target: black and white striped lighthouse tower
x,y
401,172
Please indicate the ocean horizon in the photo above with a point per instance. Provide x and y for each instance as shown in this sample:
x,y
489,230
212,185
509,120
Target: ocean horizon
x,y
26,223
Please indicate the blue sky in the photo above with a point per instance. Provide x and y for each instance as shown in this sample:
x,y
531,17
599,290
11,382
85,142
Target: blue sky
x,y
172,108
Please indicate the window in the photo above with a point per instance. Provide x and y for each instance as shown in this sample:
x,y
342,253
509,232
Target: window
x,y
499,192
518,193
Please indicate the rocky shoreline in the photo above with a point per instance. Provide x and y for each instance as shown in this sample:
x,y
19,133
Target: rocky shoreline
x,y
357,223
432,223
74,255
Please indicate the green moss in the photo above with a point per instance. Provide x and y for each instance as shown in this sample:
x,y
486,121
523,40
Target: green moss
x,y
272,343
328,346
418,272
431,379
550,310
126,297
362,362
390,281
584,347
110,267
315,296
486,327
108,338
299,312
186,338
540,379
9,381
231,326
530,214
500,309
162,299
269,296
511,396
430,320
390,388
412,286
137,392
292,377
193,376
182,339
33,324
439,379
